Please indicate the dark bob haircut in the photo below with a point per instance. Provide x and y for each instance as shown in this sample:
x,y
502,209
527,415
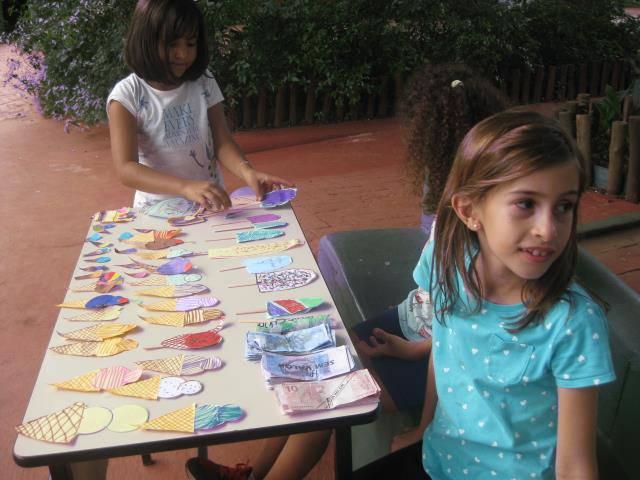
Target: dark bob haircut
x,y
157,23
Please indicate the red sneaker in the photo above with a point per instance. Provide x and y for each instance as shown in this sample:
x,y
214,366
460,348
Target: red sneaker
x,y
198,469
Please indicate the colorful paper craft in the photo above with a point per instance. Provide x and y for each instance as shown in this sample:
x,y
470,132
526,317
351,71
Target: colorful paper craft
x,y
121,215
209,417
125,236
173,387
81,383
276,198
102,315
104,228
258,226
106,282
171,207
127,418
95,253
102,244
152,235
99,260
98,333
182,319
181,420
254,249
182,364
57,427
172,267
94,268
94,420
281,280
181,304
100,301
163,243
107,348
285,307
161,280
114,377
94,238
252,236
188,341
87,276
263,264
126,251
175,291
147,389
173,253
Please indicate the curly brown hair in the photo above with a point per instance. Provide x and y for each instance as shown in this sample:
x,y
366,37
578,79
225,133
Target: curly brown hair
x,y
438,113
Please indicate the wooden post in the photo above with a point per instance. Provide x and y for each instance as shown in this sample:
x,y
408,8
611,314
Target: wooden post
x,y
627,106
582,78
583,138
515,85
632,189
310,104
584,103
594,85
537,84
604,77
247,120
571,82
383,104
261,114
293,104
278,116
565,118
551,84
526,86
616,157
615,75
562,84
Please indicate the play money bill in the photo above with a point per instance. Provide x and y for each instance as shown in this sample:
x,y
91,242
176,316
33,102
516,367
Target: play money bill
x,y
297,342
327,363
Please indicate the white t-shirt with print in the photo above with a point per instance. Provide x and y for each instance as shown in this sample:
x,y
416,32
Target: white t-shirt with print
x,y
174,136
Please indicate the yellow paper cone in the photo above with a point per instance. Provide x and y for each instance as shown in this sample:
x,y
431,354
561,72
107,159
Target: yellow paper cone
x,y
81,383
58,427
177,421
97,333
143,389
151,255
72,304
249,249
104,314
170,365
181,319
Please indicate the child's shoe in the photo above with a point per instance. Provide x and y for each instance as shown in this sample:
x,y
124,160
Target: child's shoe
x,y
198,469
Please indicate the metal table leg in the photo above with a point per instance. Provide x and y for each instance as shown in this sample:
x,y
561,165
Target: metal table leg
x,y
343,464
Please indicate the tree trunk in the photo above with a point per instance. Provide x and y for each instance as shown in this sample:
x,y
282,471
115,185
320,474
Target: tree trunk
x,y
562,83
398,88
604,78
326,107
594,87
261,114
247,120
383,104
551,84
571,82
582,79
278,116
310,104
293,104
526,86
515,85
537,84
371,105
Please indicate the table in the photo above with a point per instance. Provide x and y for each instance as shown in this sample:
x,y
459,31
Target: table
x,y
238,382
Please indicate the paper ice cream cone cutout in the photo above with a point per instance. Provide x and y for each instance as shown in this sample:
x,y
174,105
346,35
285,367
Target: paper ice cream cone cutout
x,y
175,291
115,376
109,347
182,364
103,315
181,420
153,255
167,280
170,365
81,383
147,389
245,250
181,319
189,341
57,427
181,304
98,333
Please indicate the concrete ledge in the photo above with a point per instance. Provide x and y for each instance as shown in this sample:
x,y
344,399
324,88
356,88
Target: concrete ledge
x,y
599,227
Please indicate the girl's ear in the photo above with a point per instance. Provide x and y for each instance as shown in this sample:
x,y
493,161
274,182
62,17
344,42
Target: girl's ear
x,y
463,206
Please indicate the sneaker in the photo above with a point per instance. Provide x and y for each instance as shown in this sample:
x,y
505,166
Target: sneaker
x,y
198,469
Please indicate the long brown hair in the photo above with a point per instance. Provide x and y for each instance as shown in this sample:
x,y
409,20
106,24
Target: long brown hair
x,y
441,103
502,148
157,23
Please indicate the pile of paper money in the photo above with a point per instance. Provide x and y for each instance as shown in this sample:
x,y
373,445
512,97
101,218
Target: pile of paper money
x,y
355,388
296,342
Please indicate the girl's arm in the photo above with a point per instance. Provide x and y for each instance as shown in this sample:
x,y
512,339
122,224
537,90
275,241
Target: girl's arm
x,y
428,411
124,150
576,450
232,158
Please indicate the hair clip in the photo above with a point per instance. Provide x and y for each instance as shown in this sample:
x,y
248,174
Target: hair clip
x,y
457,83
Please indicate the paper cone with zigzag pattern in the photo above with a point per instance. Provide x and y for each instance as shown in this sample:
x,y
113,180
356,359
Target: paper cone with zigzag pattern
x,y
181,420
147,389
57,427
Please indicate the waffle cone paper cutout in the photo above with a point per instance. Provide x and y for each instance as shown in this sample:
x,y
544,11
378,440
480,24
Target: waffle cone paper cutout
x,y
181,304
98,333
103,315
181,319
175,291
57,427
177,421
111,346
170,365
81,383
242,250
147,389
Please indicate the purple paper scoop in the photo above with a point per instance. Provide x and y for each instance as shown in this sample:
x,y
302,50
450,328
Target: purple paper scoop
x,y
266,217
279,197
175,266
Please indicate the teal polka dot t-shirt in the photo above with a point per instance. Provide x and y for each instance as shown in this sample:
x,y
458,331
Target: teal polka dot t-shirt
x,y
497,408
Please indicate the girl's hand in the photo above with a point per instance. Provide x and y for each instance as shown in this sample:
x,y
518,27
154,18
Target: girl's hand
x,y
206,194
383,343
406,439
262,183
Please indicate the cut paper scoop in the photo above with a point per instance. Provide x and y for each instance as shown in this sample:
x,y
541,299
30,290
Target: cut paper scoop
x,y
277,198
182,364
209,417
285,307
127,418
109,347
175,291
57,427
103,315
182,319
189,341
162,280
100,301
94,420
106,282
181,304
98,333
281,280
114,377
252,236
257,226
172,267
171,253
263,264
173,387
172,207
265,217
254,249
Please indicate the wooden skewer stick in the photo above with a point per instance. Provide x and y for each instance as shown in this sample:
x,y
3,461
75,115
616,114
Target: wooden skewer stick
x,y
247,312
265,320
230,268
242,285
218,239
229,223
233,229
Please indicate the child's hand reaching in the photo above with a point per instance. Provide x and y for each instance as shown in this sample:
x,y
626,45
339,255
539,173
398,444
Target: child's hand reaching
x,y
206,194
383,343
262,183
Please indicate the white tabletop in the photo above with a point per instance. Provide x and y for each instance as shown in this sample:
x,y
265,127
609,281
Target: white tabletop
x,y
238,382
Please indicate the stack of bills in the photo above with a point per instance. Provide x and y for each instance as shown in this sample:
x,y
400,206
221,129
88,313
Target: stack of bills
x,y
321,365
355,388
286,325
297,342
